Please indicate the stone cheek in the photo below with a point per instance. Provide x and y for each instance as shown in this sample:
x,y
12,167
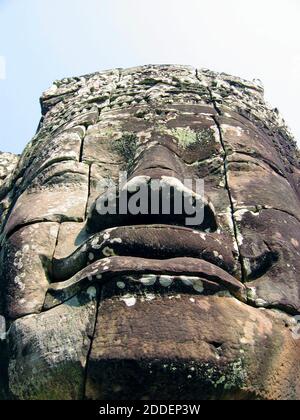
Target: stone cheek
x,y
48,352
254,185
25,267
275,237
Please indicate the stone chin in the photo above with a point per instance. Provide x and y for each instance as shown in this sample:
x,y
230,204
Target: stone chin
x,y
217,348
125,306
174,325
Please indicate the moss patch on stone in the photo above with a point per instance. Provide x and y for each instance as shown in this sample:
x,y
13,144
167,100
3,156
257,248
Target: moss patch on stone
x,y
126,147
187,137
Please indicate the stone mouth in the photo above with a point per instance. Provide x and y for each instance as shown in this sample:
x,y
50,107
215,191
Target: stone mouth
x,y
153,242
190,273
160,251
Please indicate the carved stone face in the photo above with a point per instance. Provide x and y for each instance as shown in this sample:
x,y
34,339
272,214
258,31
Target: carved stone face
x,y
143,306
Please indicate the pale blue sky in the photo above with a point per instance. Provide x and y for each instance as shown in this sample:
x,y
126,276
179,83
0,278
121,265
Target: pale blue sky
x,y
44,40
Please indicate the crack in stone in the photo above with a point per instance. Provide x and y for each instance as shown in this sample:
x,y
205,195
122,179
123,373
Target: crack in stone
x,y
225,161
82,148
235,229
98,300
34,222
213,100
89,192
52,258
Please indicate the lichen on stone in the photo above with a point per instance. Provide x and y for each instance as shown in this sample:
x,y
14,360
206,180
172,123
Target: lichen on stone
x,y
187,137
126,146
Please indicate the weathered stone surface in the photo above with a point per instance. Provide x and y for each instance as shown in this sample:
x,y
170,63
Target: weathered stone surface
x,y
172,352
241,136
3,359
25,269
59,193
273,237
48,352
254,185
162,84
98,144
69,238
101,175
63,147
8,162
201,311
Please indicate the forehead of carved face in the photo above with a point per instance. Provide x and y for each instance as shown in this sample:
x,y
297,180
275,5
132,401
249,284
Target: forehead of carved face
x,y
205,297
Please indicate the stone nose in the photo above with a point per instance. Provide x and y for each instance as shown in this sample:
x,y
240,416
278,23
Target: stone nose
x,y
156,192
158,199
156,161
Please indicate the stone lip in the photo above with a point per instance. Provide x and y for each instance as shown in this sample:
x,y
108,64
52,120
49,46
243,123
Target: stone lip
x,y
103,270
155,241
159,250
